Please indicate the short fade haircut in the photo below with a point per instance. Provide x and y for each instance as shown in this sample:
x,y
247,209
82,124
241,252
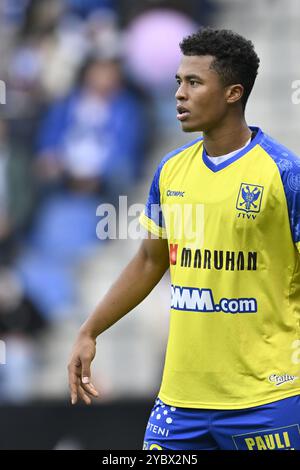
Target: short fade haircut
x,y
235,59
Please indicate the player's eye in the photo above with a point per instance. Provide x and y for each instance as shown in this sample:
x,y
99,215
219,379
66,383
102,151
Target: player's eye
x,y
193,82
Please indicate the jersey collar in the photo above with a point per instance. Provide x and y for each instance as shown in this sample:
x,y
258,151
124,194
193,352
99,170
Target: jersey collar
x,y
245,150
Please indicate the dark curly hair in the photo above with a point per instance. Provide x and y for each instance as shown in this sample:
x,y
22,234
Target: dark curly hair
x,y
235,59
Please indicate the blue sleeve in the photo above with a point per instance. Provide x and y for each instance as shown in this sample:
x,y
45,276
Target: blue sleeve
x,y
153,208
289,168
291,183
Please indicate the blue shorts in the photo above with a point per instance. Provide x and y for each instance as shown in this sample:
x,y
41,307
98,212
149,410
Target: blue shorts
x,y
274,426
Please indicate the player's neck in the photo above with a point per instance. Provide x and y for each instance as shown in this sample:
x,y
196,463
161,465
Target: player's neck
x,y
226,138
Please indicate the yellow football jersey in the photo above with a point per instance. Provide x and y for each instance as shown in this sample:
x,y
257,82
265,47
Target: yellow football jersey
x,y
233,230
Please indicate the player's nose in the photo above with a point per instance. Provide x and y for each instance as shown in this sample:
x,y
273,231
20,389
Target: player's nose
x,y
181,93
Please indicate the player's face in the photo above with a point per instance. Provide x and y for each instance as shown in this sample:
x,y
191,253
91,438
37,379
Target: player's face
x,y
201,100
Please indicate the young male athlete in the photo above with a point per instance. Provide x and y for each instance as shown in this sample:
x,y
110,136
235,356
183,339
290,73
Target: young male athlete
x,y
231,378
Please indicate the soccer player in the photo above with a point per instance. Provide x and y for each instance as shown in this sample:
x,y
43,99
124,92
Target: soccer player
x,y
225,209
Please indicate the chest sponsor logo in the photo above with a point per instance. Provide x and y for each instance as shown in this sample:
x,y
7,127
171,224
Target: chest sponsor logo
x,y
249,199
202,300
213,259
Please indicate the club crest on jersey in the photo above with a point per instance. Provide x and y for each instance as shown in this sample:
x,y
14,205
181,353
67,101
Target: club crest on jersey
x,y
249,198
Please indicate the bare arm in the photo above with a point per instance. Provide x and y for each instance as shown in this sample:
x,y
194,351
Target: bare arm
x,y
135,282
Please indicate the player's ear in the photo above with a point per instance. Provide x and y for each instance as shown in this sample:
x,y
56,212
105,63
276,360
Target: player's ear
x,y
234,93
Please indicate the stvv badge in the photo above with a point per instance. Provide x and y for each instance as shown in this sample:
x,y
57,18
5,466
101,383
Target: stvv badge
x,y
249,198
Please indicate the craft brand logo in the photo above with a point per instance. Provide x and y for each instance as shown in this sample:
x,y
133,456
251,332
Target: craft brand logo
x,y
282,379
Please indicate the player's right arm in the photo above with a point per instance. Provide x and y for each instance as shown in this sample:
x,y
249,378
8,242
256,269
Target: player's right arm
x,y
135,282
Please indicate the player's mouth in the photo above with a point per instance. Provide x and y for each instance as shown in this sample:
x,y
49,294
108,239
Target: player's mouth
x,y
182,113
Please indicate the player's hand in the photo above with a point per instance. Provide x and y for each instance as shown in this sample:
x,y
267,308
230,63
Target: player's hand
x,y
79,369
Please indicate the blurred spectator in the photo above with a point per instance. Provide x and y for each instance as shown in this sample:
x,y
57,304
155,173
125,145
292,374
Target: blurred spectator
x,y
41,16
95,136
25,95
20,320
18,315
85,7
20,323
16,193
14,10
201,11
91,149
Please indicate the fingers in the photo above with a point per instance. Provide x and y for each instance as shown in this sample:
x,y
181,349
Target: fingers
x,y
85,370
73,389
79,380
90,389
84,395
73,383
84,391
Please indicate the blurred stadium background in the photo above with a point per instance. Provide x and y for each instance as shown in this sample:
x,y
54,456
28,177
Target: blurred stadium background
x,y
87,112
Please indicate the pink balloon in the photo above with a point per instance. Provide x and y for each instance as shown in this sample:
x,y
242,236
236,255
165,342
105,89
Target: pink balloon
x,y
151,46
